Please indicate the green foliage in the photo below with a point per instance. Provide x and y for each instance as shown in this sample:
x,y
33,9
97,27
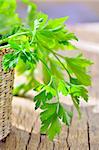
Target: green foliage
x,y
46,94
37,42
51,116
8,17
78,66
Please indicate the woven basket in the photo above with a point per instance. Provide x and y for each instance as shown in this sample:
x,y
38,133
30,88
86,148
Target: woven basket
x,y
6,85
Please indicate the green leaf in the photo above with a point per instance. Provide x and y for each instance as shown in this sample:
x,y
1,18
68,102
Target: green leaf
x,y
54,23
79,91
51,90
31,13
50,121
54,129
47,93
74,81
46,75
68,45
49,110
63,88
42,19
40,99
56,68
64,115
71,36
45,40
78,66
8,16
10,60
76,104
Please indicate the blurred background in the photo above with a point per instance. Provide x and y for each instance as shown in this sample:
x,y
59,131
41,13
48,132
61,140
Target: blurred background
x,y
79,11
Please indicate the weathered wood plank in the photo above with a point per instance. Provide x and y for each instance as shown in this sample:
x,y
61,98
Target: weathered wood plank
x,y
78,136
25,134
61,142
93,128
15,141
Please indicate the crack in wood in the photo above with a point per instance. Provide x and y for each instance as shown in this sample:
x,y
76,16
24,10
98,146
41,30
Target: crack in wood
x,y
88,131
40,140
88,134
30,135
67,142
53,146
68,130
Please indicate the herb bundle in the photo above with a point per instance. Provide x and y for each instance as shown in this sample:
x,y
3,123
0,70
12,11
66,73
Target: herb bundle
x,y
36,40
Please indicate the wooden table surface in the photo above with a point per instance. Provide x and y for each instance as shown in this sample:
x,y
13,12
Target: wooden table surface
x,y
83,134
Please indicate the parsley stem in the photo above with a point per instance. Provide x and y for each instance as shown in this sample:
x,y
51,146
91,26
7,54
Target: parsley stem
x,y
46,66
57,95
51,79
14,35
62,65
5,46
56,56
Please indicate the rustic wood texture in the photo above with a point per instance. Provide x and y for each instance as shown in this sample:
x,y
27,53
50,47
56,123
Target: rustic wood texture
x,y
83,134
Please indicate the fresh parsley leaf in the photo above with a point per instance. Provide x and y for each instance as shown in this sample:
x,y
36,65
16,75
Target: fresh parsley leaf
x,y
64,115
51,118
10,60
55,23
47,93
63,88
78,66
79,91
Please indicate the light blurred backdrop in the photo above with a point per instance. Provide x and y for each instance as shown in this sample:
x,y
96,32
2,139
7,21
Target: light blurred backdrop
x,y
79,11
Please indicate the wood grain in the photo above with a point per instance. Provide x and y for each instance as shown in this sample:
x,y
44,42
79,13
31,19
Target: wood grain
x,y
83,134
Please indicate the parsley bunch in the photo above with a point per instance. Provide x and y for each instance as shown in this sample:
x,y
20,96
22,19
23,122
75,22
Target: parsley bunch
x,y
38,40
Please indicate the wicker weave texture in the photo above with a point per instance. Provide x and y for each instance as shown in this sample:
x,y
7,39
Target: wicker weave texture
x,y
6,85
